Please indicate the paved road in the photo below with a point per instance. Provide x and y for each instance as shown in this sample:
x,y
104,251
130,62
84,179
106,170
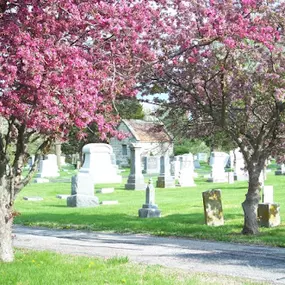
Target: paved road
x,y
254,262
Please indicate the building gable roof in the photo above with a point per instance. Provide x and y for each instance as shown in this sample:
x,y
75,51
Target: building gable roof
x,y
145,131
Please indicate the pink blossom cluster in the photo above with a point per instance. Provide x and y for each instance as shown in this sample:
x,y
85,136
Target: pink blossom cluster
x,y
63,62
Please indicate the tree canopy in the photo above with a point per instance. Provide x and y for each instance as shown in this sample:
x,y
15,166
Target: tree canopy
x,y
62,65
223,65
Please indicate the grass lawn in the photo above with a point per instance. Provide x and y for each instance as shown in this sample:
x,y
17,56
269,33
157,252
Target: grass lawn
x,y
42,268
182,211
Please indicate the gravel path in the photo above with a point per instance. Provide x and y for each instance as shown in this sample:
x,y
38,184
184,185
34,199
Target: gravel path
x,y
254,262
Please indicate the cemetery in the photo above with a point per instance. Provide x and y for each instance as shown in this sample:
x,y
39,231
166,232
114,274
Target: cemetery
x,y
80,153
181,210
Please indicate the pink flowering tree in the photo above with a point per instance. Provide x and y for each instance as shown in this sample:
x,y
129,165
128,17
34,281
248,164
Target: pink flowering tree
x,y
62,64
223,64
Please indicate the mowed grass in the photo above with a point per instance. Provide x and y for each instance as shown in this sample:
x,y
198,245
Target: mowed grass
x,y
182,211
42,268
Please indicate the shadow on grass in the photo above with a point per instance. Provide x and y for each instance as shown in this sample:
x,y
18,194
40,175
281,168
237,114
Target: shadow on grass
x,y
184,225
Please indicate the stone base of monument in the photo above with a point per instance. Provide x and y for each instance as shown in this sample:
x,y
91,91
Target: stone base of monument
x,y
149,211
135,183
165,182
82,201
269,214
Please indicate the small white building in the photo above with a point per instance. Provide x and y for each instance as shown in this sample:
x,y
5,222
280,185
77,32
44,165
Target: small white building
x,y
153,137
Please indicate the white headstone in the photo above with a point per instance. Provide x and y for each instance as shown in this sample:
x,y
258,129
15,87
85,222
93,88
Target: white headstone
x,y
267,194
175,167
202,156
98,163
217,161
186,177
151,164
48,166
241,173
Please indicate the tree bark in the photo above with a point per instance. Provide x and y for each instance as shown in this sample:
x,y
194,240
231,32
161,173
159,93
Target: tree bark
x,y
250,204
6,222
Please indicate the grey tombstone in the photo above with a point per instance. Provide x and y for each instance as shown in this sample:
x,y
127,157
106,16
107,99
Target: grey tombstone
x,y
213,210
136,178
165,180
280,170
149,209
197,164
82,192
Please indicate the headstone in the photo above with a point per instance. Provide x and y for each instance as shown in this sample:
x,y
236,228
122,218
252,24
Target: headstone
x,y
151,164
231,160
197,164
33,198
213,210
186,177
113,202
105,190
280,170
202,156
269,215
219,156
165,180
175,167
98,164
48,167
136,178
149,209
82,192
31,160
217,161
241,173
267,195
62,161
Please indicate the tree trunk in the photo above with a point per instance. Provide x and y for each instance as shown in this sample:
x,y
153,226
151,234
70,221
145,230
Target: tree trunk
x,y
250,204
6,221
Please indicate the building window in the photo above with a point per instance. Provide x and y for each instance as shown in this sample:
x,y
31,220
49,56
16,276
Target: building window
x,y
124,149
